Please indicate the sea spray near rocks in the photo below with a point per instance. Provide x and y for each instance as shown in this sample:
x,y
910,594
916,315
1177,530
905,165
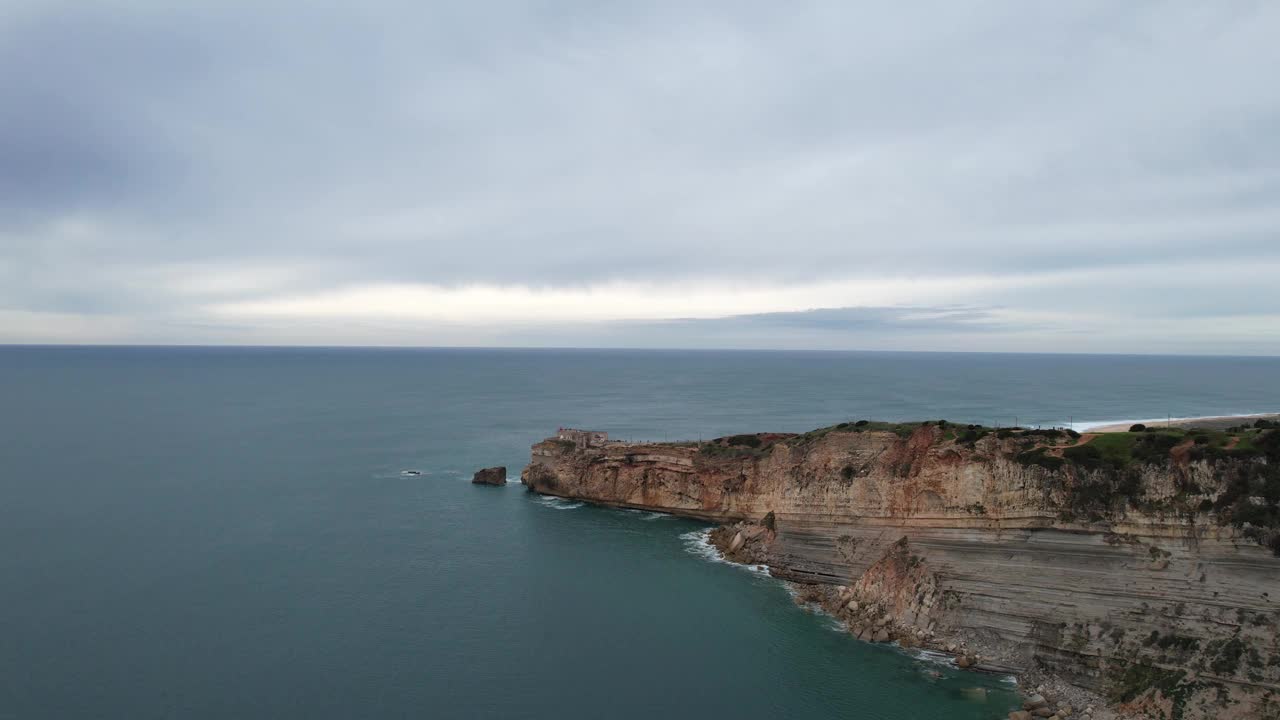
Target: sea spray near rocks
x,y
645,515
556,503
698,542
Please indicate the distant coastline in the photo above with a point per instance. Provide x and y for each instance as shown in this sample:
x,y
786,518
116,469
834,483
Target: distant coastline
x,y
1209,422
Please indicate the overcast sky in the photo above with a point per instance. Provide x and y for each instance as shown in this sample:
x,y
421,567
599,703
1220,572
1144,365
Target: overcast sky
x,y
983,175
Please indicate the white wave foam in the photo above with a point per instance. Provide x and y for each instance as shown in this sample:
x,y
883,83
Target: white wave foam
x,y
698,542
389,473
646,515
834,623
932,657
556,503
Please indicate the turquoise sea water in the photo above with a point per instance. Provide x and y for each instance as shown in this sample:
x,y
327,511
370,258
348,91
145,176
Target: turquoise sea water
x,y
226,533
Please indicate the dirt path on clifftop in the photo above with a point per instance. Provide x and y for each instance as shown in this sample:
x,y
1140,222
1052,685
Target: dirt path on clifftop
x,y
1084,439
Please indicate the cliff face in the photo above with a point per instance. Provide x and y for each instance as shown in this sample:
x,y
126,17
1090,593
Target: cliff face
x,y
1123,582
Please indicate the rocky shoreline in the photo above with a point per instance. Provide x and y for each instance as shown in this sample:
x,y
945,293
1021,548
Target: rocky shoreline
x,y
870,621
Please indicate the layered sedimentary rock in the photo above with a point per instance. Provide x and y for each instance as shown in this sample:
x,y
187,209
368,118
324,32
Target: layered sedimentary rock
x,y
1126,583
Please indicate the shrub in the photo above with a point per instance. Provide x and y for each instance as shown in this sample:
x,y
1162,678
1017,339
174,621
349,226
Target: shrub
x,y
862,423
1154,448
1269,443
1086,456
1137,427
743,440
1043,432
1038,457
1179,643
722,448
1229,659
1138,679
1244,511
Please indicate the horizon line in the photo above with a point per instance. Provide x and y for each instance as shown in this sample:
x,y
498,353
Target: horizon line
x,y
537,348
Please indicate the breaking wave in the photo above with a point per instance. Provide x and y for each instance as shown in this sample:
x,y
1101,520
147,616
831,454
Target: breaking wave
x,y
646,515
698,542
1087,425
933,657
556,503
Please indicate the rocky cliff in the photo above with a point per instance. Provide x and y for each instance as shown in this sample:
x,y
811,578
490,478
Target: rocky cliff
x,y
1136,567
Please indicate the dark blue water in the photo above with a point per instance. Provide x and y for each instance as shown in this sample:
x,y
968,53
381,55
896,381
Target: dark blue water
x,y
212,533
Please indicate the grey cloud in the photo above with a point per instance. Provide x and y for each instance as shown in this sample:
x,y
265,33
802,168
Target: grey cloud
x,y
76,125
872,328
569,143
863,319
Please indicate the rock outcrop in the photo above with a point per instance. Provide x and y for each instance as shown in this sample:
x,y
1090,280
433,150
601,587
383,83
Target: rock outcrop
x,y
491,476
1127,582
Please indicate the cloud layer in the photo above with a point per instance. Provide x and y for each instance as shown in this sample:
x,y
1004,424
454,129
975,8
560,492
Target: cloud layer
x,y
1082,176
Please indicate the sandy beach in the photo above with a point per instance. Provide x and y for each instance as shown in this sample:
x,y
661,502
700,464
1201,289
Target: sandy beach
x,y
1220,422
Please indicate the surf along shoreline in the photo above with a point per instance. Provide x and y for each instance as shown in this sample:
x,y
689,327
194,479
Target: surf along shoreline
x,y
1209,422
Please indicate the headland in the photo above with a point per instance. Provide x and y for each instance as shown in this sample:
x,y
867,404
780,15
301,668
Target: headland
x,y
1134,574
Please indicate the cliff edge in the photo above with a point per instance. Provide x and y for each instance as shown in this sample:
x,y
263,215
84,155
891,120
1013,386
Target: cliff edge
x,y
1140,567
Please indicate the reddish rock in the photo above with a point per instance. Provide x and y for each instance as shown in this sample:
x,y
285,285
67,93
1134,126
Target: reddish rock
x,y
491,476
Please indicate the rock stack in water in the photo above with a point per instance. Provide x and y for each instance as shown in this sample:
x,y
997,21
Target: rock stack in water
x,y
491,476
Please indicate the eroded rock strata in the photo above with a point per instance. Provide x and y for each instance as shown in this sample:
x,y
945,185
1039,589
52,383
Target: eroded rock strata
x,y
1126,580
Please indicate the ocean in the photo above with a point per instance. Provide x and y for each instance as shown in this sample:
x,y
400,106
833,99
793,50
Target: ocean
x,y
231,533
